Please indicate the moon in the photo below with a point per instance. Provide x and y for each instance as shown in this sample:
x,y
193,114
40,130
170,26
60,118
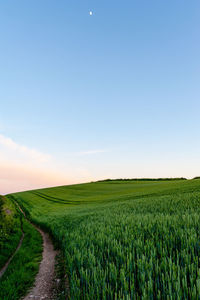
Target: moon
x,y
90,13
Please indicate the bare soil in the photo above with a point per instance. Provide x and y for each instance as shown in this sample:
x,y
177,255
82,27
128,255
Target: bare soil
x,y
45,279
44,282
44,287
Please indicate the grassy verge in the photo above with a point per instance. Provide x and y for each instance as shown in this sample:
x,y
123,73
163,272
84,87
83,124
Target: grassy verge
x,y
21,272
10,229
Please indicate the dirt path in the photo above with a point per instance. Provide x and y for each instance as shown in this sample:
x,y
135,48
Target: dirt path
x,y
44,282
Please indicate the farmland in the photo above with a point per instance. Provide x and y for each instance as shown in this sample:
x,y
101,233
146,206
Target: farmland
x,y
124,239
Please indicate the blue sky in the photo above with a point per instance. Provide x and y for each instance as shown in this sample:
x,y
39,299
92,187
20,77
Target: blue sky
x,y
115,94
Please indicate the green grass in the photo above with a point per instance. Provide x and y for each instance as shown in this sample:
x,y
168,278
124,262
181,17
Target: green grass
x,y
10,229
20,274
124,239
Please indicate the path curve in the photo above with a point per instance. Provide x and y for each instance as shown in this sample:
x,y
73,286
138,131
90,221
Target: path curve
x,y
44,282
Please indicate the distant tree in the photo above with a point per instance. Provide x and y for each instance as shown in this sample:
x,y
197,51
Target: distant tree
x,y
144,179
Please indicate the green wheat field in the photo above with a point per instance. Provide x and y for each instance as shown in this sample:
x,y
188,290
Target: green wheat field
x,y
122,239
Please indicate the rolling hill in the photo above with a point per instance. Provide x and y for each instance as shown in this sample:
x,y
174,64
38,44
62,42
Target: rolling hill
x,y
124,239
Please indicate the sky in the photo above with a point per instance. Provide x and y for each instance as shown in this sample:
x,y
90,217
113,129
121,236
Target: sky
x,y
112,94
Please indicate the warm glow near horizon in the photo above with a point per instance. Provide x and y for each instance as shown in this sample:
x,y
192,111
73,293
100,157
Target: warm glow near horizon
x,y
23,168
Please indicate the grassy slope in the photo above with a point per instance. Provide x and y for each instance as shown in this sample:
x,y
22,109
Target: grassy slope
x,y
124,239
52,199
10,229
20,274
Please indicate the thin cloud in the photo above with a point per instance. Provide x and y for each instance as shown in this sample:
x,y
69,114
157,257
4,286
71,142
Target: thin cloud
x,y
15,177
24,168
24,150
